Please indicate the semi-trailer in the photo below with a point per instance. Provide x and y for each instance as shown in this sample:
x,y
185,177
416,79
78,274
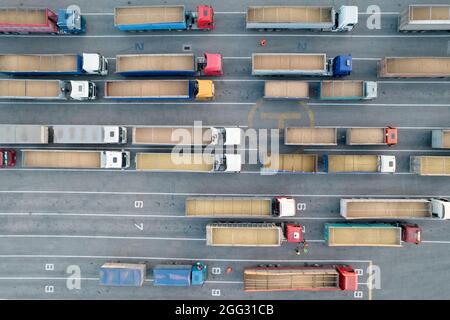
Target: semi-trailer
x,y
23,134
122,274
53,64
193,162
358,163
75,159
240,207
424,17
371,136
75,134
302,18
41,20
371,234
395,208
300,278
184,135
180,64
47,89
430,165
347,90
300,64
414,67
175,275
440,139
159,90
150,18
290,89
252,234
299,163
306,136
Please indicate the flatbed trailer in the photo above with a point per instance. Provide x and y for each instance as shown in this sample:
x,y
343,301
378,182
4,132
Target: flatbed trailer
x,y
347,90
310,136
290,89
371,136
300,278
414,67
440,139
430,165
424,17
302,163
23,134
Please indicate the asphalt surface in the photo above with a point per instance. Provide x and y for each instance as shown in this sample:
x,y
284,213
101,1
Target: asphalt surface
x,y
53,222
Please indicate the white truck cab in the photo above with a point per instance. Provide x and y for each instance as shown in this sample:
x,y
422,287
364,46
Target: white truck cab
x,y
227,136
82,90
115,159
115,134
347,18
386,164
284,207
441,208
94,63
227,162
370,90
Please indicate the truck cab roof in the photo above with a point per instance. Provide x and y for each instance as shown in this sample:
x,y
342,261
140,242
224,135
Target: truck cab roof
x,y
387,164
91,62
79,90
213,64
111,134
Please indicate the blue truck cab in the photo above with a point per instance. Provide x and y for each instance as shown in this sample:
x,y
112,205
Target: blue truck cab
x,y
180,275
342,65
70,22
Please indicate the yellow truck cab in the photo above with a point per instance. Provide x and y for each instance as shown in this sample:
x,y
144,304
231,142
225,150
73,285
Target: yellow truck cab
x,y
205,90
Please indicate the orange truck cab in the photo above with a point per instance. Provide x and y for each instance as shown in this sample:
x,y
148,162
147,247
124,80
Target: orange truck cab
x,y
391,136
411,233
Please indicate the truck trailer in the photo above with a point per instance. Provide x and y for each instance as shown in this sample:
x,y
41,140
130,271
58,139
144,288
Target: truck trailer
x,y
122,274
184,135
41,20
305,136
299,163
194,162
424,17
281,90
75,134
53,64
430,165
184,64
395,208
300,64
75,159
414,67
159,90
23,134
252,234
440,139
151,18
302,18
47,89
358,163
175,275
300,278
371,234
347,90
240,207
371,136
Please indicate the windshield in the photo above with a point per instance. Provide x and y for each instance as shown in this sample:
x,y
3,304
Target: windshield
x,y
4,158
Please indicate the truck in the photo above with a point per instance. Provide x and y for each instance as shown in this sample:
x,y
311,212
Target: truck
x,y
302,18
252,234
186,135
279,206
47,89
304,136
176,275
371,234
300,278
23,134
358,163
153,18
179,64
159,90
424,17
41,20
300,163
347,90
8,158
291,89
371,136
74,134
440,139
193,162
430,165
53,64
414,67
395,208
75,159
122,274
300,64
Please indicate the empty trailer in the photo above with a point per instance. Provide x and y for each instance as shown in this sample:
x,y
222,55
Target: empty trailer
x,y
279,89
424,17
430,165
301,163
414,67
310,136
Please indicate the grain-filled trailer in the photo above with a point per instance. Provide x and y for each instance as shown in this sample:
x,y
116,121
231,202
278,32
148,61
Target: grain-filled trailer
x,y
424,17
430,165
306,136
358,163
347,90
300,163
371,136
285,90
302,18
159,90
414,67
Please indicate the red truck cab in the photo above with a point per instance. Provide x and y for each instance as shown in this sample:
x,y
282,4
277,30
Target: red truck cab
x,y
8,158
210,64
411,233
205,18
348,279
293,233
391,136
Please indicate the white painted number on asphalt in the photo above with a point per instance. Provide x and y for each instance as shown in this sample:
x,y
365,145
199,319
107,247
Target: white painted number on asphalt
x,y
138,204
215,292
140,226
358,294
216,270
49,267
301,206
49,289
303,229
359,272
